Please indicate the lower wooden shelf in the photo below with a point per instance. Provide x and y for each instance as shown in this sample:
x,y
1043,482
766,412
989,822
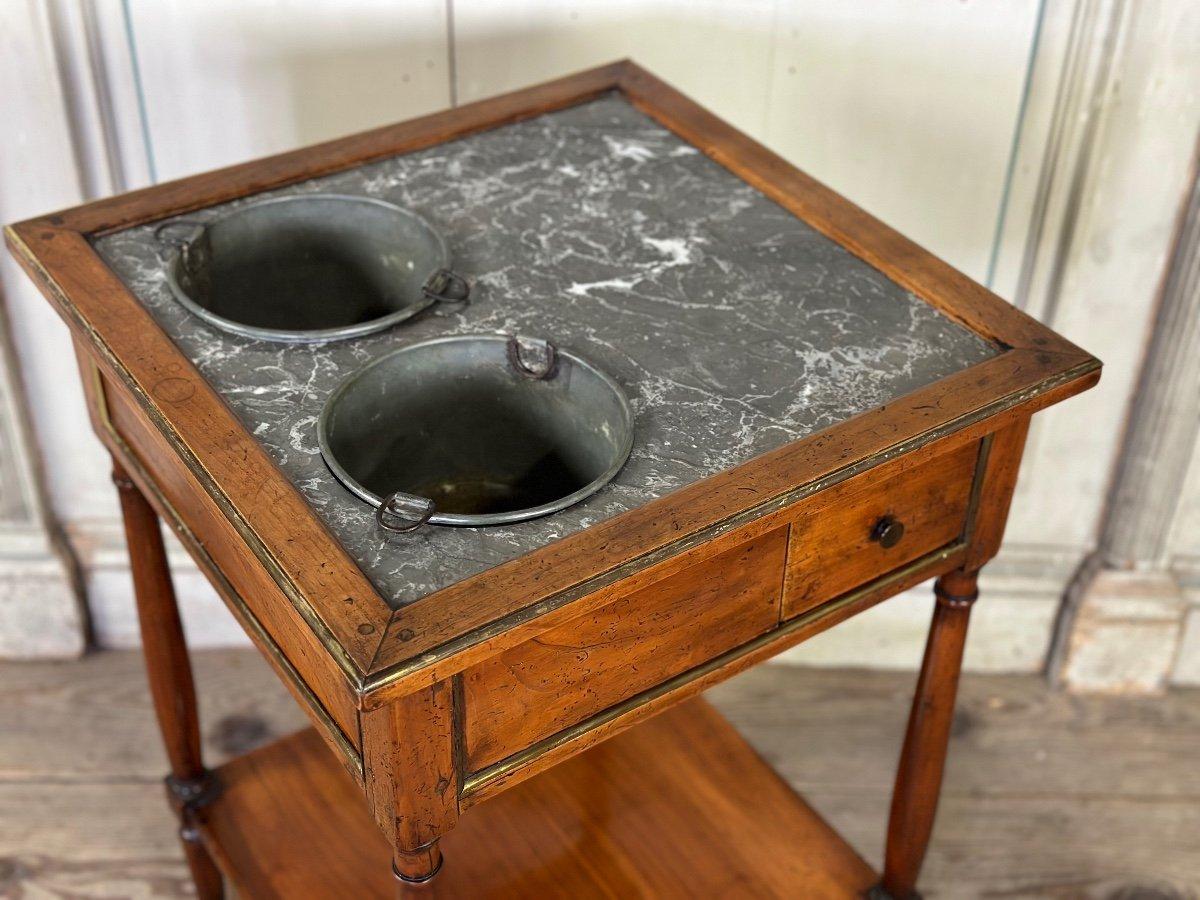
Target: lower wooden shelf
x,y
680,806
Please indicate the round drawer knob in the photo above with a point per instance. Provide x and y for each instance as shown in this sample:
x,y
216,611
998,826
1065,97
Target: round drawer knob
x,y
887,532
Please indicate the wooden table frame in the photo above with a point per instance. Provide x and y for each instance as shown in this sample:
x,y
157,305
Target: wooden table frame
x,y
385,689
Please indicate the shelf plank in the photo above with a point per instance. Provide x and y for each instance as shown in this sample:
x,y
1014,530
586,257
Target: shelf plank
x,y
680,806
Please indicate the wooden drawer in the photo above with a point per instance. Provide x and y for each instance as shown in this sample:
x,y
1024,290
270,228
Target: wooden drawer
x,y
831,548
596,661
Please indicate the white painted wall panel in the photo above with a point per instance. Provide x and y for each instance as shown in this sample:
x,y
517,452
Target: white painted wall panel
x,y
716,51
1185,552
38,174
1008,634
1034,138
1134,188
229,80
1187,662
907,108
1185,536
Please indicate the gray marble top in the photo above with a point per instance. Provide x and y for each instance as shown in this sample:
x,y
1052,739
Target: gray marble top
x,y
734,327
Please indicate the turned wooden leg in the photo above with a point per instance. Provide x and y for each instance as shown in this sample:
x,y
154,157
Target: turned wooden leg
x,y
169,672
414,870
412,781
919,776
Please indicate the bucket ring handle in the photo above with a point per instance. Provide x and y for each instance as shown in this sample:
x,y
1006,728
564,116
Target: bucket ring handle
x,y
532,357
180,243
162,235
399,512
445,286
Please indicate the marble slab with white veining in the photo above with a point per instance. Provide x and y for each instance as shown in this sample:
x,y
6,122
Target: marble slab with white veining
x,y
734,327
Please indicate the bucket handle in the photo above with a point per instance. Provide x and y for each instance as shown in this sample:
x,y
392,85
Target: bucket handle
x,y
399,512
182,243
163,237
444,286
532,357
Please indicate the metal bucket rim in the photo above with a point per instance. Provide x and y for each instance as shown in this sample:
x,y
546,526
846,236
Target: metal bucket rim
x,y
462,519
316,336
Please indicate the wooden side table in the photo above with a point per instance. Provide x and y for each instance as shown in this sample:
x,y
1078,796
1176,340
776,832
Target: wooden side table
x,y
463,667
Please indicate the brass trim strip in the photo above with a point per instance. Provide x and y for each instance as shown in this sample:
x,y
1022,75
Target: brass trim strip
x,y
981,464
379,680
102,401
509,764
781,606
229,593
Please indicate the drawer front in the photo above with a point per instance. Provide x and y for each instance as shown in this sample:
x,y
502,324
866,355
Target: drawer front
x,y
592,663
835,546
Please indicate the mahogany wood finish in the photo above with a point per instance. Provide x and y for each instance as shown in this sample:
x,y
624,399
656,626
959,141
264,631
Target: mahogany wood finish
x,y
169,673
492,781
987,490
923,758
998,480
476,691
412,777
833,544
588,665
682,807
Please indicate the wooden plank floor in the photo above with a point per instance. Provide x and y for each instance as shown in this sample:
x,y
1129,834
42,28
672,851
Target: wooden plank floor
x,y
1047,795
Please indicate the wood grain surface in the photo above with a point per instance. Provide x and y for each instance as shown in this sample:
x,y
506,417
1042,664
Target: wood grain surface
x,y
927,739
831,549
411,770
588,665
1047,795
680,807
